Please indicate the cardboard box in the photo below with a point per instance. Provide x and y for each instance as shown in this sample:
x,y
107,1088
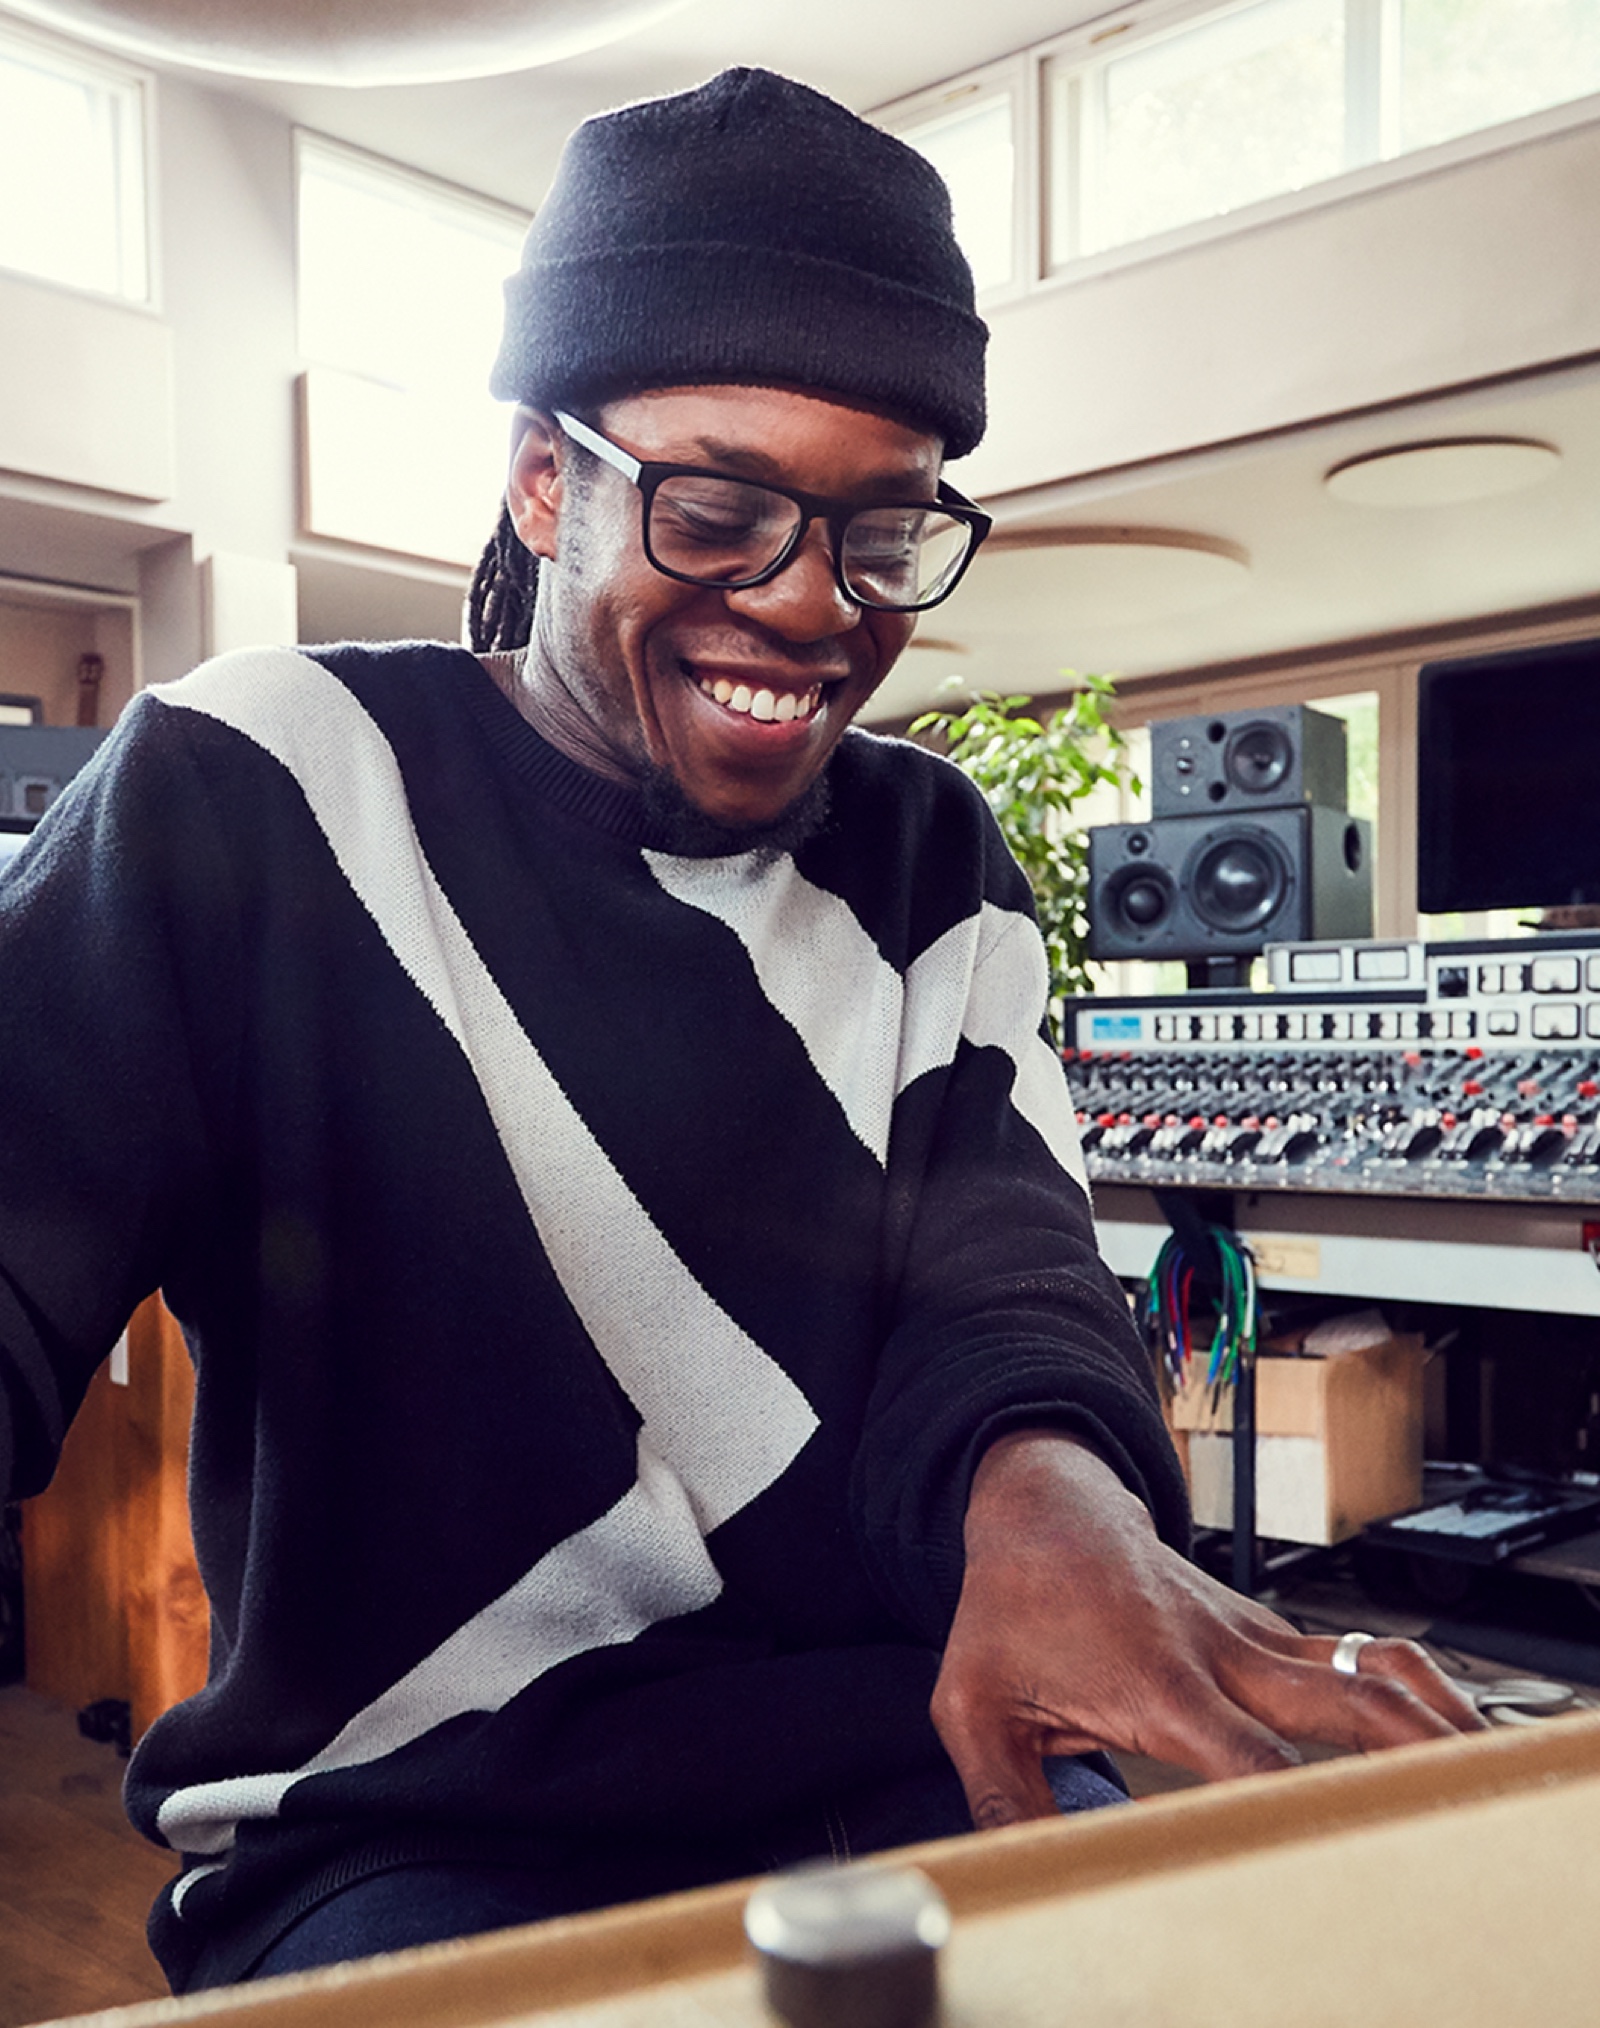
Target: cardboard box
x,y
1338,1435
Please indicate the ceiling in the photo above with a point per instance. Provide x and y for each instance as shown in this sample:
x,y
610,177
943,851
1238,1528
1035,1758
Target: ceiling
x,y
1268,561
1318,570
502,134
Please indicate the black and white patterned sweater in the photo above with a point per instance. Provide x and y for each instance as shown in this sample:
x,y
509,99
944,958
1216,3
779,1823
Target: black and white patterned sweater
x,y
603,1269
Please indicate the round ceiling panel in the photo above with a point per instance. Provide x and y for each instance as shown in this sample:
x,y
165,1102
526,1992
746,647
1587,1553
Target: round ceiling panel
x,y
350,42
1442,474
1100,577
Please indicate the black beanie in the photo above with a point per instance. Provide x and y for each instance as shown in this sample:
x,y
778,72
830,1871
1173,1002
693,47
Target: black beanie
x,y
749,231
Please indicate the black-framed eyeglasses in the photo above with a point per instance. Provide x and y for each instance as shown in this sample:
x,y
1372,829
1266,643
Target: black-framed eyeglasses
x,y
706,527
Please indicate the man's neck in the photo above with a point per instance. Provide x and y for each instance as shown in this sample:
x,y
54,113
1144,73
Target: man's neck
x,y
553,714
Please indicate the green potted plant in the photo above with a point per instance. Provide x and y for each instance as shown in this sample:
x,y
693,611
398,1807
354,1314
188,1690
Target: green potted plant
x,y
1033,771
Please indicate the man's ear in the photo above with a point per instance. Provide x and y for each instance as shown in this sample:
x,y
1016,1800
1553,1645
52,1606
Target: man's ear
x,y
534,488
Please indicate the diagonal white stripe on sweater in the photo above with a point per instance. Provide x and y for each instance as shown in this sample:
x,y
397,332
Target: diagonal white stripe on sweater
x,y
817,966
985,979
722,1427
641,1562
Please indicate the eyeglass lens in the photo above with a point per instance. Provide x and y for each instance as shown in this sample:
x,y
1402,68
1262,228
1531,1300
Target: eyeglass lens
x,y
722,531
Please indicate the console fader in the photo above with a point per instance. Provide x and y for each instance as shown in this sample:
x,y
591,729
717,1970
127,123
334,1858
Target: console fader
x,y
1394,1069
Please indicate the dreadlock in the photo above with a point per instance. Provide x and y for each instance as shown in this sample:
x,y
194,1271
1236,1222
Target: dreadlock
x,y
500,601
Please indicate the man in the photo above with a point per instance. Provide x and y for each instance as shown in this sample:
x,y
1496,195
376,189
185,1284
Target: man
x,y
590,1111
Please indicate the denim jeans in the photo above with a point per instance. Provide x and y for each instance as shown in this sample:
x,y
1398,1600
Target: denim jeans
x,y
429,1903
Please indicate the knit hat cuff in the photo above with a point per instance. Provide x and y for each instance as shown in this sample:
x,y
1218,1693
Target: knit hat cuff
x,y
799,319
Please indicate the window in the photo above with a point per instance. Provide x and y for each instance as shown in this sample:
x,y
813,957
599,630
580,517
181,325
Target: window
x,y
1225,112
1172,113
1217,110
400,307
72,168
1466,64
970,134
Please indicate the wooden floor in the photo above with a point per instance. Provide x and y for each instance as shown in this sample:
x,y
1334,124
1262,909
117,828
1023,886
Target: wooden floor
x,y
76,1880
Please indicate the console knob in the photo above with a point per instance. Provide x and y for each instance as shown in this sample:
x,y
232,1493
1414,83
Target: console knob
x,y
849,1946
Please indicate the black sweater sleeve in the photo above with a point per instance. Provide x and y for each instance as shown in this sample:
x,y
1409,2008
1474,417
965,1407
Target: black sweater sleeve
x,y
1006,1316
117,947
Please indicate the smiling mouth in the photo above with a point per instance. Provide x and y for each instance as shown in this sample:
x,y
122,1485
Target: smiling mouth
x,y
769,707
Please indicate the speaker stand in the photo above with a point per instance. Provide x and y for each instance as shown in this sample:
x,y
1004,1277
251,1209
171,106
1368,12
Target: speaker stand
x,y
1203,972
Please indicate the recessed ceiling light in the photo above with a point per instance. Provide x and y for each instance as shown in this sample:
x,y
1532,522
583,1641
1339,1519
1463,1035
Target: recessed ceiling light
x,y
351,42
1442,474
1101,577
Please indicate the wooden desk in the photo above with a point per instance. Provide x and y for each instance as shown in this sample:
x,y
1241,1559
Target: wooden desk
x,y
1456,1883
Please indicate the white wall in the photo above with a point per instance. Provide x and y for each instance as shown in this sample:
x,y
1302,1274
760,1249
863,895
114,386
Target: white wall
x,y
226,246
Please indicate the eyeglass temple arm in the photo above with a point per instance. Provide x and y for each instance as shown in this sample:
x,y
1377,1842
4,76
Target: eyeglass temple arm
x,y
602,447
950,497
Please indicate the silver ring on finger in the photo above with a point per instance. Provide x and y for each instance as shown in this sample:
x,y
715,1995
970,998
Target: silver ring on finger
x,y
1346,1657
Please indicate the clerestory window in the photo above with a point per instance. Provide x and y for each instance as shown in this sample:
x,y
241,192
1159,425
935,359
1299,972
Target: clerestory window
x,y
400,306
73,196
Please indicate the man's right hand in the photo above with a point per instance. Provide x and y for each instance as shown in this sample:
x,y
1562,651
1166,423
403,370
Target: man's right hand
x,y
1078,1628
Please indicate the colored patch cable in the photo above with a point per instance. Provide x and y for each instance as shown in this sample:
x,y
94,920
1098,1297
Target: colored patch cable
x,y
1176,1313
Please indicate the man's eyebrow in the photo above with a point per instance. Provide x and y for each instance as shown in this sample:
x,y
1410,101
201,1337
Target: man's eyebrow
x,y
746,462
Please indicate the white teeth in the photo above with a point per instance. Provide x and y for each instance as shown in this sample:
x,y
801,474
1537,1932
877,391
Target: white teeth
x,y
770,707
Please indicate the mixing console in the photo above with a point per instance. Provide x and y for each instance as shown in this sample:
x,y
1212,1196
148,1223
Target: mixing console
x,y
1475,1074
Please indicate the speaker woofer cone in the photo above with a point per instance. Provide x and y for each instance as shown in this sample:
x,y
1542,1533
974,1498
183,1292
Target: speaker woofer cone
x,y
1258,757
1239,881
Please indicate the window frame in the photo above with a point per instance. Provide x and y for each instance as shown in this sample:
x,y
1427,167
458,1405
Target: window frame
x,y
137,212
1374,116
1371,127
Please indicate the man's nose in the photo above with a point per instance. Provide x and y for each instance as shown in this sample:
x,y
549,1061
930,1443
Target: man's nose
x,y
804,602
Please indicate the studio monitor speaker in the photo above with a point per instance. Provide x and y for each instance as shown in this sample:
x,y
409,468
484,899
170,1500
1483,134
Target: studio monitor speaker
x,y
1272,758
1211,887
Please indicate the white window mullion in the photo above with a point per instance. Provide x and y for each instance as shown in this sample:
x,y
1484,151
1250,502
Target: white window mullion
x,y
1389,78
1363,94
1062,139
1033,200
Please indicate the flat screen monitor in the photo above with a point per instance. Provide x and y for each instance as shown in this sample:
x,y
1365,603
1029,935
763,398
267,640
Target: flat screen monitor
x,y
1508,780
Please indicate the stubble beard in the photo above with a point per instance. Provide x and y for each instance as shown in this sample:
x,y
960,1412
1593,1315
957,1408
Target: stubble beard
x,y
685,830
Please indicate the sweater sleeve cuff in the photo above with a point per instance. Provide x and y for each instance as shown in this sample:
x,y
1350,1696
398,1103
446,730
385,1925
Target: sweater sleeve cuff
x,y
1156,1481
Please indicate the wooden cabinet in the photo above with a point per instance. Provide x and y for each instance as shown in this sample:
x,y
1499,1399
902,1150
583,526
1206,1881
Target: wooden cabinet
x,y
112,1597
